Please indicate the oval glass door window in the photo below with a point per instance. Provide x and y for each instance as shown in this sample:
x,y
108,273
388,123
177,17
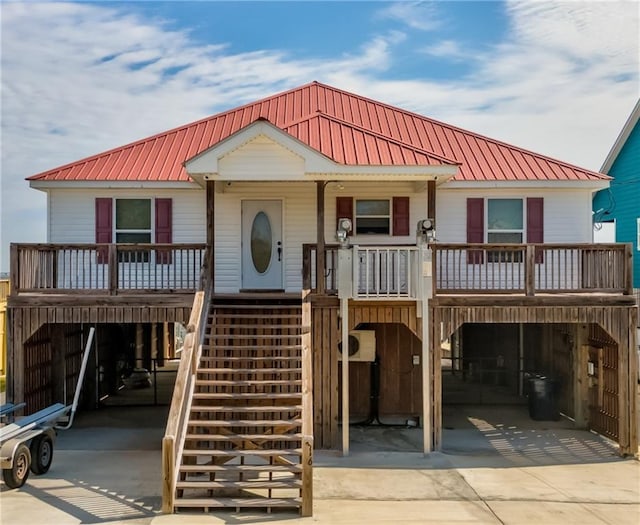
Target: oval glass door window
x,y
261,242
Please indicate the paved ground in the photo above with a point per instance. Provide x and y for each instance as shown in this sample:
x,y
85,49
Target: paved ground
x,y
496,467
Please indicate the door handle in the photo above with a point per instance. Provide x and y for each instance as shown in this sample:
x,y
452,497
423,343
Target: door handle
x,y
279,251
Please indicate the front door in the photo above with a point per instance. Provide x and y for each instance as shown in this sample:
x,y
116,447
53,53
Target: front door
x,y
262,250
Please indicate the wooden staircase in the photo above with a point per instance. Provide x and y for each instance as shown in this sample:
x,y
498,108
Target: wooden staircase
x,y
246,437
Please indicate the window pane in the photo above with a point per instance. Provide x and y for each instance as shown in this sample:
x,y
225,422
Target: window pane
x,y
504,214
380,207
504,238
372,225
133,237
261,242
133,214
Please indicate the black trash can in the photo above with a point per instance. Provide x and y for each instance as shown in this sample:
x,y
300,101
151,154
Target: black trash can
x,y
543,393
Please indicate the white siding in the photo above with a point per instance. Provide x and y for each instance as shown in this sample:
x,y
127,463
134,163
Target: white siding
x,y
72,213
299,222
567,213
261,158
72,217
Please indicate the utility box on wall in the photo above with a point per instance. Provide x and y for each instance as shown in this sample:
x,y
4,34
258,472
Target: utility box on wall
x,y
362,346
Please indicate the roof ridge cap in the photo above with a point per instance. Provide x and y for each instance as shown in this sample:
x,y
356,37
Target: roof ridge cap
x,y
390,139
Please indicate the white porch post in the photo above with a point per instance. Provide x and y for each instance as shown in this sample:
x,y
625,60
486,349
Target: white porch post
x,y
345,280
426,270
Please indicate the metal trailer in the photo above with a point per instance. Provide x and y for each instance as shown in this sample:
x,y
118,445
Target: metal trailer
x,y
27,443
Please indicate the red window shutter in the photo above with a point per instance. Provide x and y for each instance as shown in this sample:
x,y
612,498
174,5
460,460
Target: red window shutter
x,y
535,224
344,210
164,222
401,216
104,227
475,228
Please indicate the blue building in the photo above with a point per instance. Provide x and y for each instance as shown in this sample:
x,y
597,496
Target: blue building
x,y
621,202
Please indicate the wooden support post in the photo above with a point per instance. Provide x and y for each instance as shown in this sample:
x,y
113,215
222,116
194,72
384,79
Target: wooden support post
x,y
139,355
344,320
431,200
580,360
628,269
320,244
632,381
306,509
530,270
14,269
168,473
211,226
113,269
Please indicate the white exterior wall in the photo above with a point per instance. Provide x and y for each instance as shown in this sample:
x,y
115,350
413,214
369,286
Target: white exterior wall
x,y
567,212
299,222
261,159
72,213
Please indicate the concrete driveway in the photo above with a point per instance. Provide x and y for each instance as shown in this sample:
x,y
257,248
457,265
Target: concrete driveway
x,y
106,469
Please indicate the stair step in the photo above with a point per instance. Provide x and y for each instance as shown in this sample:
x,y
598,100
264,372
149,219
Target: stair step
x,y
256,382
254,316
219,503
264,306
249,371
230,469
253,408
253,336
208,346
247,437
256,326
235,452
250,359
244,422
247,395
254,484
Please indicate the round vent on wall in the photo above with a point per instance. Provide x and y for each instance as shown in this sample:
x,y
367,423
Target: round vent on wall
x,y
354,345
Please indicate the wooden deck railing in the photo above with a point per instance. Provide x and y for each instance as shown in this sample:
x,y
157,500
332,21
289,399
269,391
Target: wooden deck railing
x,y
178,419
105,268
531,268
392,272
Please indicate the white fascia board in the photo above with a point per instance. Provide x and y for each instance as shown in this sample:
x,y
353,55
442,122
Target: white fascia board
x,y
594,185
622,138
357,173
206,162
105,184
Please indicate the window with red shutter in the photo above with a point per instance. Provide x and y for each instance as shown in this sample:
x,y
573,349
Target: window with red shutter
x,y
475,228
104,227
535,224
401,216
344,210
164,223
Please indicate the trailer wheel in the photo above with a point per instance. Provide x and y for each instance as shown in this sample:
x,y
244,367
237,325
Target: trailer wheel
x,y
41,454
17,475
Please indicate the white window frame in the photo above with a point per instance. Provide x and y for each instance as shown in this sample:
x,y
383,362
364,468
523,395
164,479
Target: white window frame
x,y
505,256
150,231
522,231
638,234
389,216
142,256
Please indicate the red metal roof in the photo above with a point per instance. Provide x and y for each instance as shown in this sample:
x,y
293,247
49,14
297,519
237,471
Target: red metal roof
x,y
347,128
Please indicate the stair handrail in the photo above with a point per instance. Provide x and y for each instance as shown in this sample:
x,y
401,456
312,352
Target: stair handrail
x,y
307,408
177,421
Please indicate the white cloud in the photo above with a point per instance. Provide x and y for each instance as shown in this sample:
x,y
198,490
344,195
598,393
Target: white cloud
x,y
417,15
562,82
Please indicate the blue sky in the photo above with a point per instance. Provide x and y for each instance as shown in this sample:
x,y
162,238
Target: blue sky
x,y
559,78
